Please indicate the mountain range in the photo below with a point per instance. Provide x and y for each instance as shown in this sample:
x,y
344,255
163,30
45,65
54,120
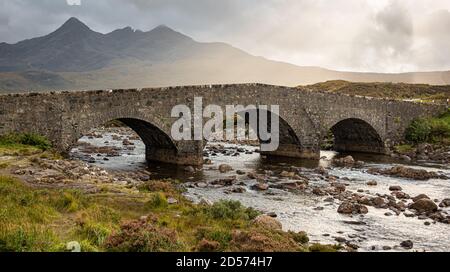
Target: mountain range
x,y
74,57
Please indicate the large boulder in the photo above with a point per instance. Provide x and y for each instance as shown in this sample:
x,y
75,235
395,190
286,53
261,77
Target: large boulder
x,y
421,196
348,207
424,206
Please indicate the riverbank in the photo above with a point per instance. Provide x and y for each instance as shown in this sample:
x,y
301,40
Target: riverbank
x,y
55,204
303,195
426,139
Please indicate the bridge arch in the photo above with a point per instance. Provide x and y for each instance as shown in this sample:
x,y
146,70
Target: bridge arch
x,y
290,144
357,135
153,131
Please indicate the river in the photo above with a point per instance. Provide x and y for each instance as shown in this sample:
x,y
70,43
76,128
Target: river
x,y
299,210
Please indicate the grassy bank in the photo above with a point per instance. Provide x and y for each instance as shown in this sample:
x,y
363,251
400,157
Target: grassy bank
x,y
430,130
47,220
24,140
151,218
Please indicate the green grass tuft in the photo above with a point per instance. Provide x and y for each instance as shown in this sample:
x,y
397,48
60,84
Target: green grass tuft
x,y
430,130
25,139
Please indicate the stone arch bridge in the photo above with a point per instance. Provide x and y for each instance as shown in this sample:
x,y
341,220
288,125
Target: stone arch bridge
x,y
358,123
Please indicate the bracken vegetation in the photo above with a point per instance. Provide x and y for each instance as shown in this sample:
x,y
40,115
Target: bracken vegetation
x,y
41,220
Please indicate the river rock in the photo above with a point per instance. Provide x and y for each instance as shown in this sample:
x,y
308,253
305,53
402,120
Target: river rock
x,y
223,168
405,158
348,207
365,201
408,244
321,170
127,142
272,214
225,181
238,190
201,185
252,175
267,222
144,178
445,203
319,192
401,195
424,205
409,214
286,174
401,206
207,162
395,188
379,202
347,161
339,187
189,169
404,172
260,187
421,196
372,183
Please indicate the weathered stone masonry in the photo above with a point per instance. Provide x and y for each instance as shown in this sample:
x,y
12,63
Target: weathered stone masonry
x,y
358,123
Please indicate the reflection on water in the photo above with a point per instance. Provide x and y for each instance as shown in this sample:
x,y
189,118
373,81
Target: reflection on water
x,y
303,210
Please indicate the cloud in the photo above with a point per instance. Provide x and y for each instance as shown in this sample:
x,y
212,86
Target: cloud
x,y
358,35
385,40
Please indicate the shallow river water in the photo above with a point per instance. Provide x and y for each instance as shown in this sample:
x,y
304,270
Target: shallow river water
x,y
303,211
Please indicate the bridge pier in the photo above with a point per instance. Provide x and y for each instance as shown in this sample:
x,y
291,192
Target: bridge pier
x,y
294,151
171,156
362,148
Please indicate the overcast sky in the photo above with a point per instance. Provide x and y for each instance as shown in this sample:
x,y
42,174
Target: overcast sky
x,y
354,35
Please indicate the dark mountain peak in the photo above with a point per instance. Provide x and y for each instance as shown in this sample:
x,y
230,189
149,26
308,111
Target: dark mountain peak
x,y
127,29
165,32
123,35
163,27
74,22
73,25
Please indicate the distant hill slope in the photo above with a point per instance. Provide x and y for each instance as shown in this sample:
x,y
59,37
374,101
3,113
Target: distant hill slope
x,y
383,90
76,57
